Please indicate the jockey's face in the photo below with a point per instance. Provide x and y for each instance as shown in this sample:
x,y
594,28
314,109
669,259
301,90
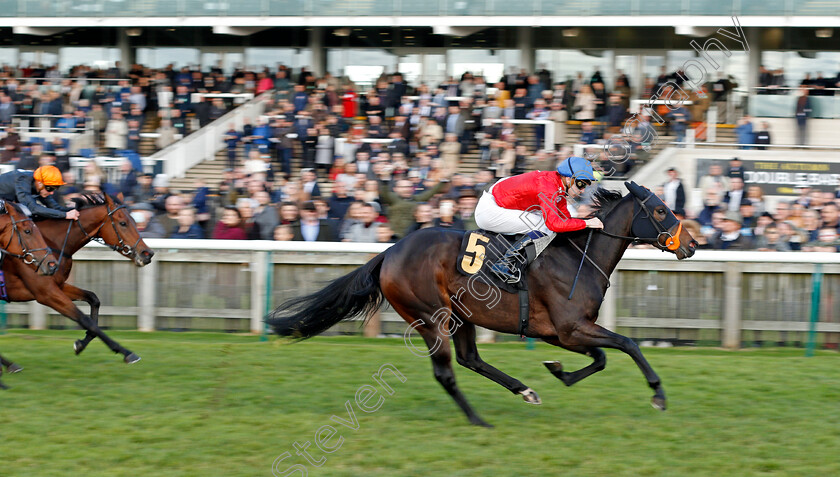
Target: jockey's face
x,y
575,187
42,190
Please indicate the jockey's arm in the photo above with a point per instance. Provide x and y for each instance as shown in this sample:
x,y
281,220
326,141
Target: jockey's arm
x,y
557,216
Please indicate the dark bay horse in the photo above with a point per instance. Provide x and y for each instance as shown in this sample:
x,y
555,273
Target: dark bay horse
x,y
24,252
418,277
100,218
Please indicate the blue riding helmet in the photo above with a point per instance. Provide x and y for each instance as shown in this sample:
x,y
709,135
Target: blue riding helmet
x,y
578,168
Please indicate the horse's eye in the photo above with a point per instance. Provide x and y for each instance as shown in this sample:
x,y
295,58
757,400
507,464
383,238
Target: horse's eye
x,y
123,223
27,231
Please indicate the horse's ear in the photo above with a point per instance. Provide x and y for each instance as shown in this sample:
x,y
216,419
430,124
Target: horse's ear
x,y
120,197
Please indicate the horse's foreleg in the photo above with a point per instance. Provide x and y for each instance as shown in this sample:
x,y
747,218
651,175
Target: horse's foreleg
x,y
77,294
590,334
58,301
11,367
599,363
466,353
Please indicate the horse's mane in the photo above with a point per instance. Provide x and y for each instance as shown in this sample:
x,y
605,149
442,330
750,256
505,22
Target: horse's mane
x,y
88,200
604,201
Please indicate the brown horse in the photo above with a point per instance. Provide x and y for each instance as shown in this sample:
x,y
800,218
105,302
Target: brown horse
x,y
440,303
24,252
100,218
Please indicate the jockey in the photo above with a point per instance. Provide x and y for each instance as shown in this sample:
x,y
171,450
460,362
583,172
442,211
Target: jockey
x,y
29,188
534,204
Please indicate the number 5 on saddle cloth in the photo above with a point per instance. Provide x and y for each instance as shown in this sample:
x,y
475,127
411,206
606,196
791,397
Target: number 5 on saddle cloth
x,y
481,250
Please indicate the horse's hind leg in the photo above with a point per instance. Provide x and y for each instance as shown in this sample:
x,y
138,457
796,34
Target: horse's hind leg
x,y
589,334
466,353
59,302
441,354
599,363
77,294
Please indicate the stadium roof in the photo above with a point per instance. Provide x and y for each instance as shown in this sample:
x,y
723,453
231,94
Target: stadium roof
x,y
480,13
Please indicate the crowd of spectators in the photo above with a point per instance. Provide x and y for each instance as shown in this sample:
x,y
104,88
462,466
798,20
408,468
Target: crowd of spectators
x,y
114,103
735,217
397,169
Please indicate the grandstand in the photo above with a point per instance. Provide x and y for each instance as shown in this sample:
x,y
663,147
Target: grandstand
x,y
182,72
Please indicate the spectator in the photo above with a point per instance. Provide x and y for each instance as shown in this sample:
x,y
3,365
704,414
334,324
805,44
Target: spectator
x,y
11,145
730,237
230,226
339,202
585,104
826,241
772,241
169,219
744,130
232,138
763,135
588,134
283,233
147,226
446,216
714,181
116,132
423,218
166,134
266,216
732,199
756,196
311,228
187,228
450,151
363,230
674,192
384,234
466,209
803,111
736,169
680,119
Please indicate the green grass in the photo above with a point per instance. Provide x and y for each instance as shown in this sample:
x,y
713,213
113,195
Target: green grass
x,y
229,405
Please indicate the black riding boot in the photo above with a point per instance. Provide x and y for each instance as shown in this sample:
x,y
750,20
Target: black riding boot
x,y
506,267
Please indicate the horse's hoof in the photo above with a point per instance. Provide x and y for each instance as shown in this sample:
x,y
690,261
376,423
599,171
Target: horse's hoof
x,y
131,358
658,402
480,422
530,396
13,368
78,347
554,366
3,386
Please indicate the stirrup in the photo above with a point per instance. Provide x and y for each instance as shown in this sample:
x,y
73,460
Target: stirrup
x,y
506,272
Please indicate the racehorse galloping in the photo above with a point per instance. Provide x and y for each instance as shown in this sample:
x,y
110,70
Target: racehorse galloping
x,y
433,283
100,218
20,239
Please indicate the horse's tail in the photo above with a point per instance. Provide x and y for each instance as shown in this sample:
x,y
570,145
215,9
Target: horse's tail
x,y
356,293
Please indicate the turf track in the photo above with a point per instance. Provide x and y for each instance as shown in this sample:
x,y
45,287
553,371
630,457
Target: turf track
x,y
226,405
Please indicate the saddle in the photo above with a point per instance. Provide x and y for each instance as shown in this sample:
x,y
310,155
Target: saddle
x,y
480,249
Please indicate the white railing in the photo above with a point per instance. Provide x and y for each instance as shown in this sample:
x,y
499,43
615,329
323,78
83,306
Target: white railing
x,y
223,281
203,144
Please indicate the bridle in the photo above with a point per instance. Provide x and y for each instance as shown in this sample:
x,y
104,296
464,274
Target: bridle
x,y
664,239
26,255
122,247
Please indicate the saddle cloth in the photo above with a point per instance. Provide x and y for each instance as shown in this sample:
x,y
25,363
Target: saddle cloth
x,y
480,249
